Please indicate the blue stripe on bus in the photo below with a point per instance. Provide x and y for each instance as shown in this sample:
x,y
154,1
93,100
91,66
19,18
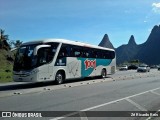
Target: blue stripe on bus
x,y
89,64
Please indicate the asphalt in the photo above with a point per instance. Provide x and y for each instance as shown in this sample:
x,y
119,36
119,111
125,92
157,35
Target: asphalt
x,y
125,91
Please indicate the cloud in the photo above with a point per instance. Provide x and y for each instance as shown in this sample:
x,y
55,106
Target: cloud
x,y
156,7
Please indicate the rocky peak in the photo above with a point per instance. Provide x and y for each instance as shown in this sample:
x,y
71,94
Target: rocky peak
x,y
132,41
154,35
145,52
106,42
156,29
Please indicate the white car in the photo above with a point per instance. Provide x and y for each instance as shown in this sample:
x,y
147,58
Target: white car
x,y
123,67
143,68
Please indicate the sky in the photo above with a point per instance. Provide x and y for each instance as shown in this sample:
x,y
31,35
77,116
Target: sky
x,y
79,20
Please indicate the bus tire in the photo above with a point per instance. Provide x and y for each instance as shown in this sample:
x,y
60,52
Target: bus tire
x,y
103,73
59,78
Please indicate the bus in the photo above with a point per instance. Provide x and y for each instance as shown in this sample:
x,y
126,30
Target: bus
x,y
59,60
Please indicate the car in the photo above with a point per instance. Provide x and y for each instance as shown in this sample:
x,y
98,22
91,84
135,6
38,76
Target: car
x,y
123,67
158,67
132,67
143,68
153,66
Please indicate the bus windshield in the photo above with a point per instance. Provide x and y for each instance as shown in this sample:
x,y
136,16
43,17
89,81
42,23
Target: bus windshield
x,y
26,60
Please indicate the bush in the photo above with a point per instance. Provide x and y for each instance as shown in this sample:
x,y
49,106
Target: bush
x,y
7,70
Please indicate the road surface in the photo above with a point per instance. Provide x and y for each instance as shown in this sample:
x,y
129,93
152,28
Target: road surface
x,y
128,91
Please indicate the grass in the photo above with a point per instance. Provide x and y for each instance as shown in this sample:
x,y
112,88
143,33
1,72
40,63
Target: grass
x,y
6,77
5,67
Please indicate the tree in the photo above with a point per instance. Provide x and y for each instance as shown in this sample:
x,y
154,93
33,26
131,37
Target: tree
x,y
3,37
17,43
3,40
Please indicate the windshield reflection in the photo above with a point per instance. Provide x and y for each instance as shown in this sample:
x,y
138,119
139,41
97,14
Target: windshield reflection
x,y
25,59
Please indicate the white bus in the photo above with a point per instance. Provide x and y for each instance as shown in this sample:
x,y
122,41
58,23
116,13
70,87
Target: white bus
x,y
59,60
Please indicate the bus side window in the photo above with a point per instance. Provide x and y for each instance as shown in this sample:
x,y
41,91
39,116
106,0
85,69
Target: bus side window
x,y
98,53
68,51
86,53
113,54
91,53
76,51
103,54
43,55
94,53
71,51
50,55
108,54
62,53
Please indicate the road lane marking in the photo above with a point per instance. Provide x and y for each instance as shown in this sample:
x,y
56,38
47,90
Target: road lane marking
x,y
104,104
137,105
155,93
83,116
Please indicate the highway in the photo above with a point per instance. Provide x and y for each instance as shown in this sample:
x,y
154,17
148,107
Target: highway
x,y
123,91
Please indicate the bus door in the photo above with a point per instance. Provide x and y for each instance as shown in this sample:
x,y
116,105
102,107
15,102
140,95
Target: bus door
x,y
44,57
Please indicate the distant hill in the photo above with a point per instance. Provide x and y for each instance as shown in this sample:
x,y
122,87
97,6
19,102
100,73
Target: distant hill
x,y
106,42
147,52
127,52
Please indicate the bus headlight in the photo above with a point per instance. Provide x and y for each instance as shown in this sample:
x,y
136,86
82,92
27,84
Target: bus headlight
x,y
32,72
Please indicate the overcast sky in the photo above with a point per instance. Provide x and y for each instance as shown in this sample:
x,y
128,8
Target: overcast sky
x,y
79,20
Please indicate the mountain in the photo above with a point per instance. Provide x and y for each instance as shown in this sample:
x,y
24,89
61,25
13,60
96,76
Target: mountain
x,y
132,41
149,51
127,52
146,52
106,42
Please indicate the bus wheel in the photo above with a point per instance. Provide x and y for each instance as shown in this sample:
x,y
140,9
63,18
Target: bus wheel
x,y
103,73
59,78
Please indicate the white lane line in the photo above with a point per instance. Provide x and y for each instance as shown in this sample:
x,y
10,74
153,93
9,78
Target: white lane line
x,y
104,104
155,93
83,116
137,105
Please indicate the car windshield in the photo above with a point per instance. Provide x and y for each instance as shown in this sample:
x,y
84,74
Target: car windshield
x,y
124,65
143,66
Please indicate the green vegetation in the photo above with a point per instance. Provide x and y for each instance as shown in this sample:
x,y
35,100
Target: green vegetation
x,y
5,76
6,66
6,56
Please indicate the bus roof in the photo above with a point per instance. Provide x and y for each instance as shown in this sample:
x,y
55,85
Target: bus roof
x,y
66,42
